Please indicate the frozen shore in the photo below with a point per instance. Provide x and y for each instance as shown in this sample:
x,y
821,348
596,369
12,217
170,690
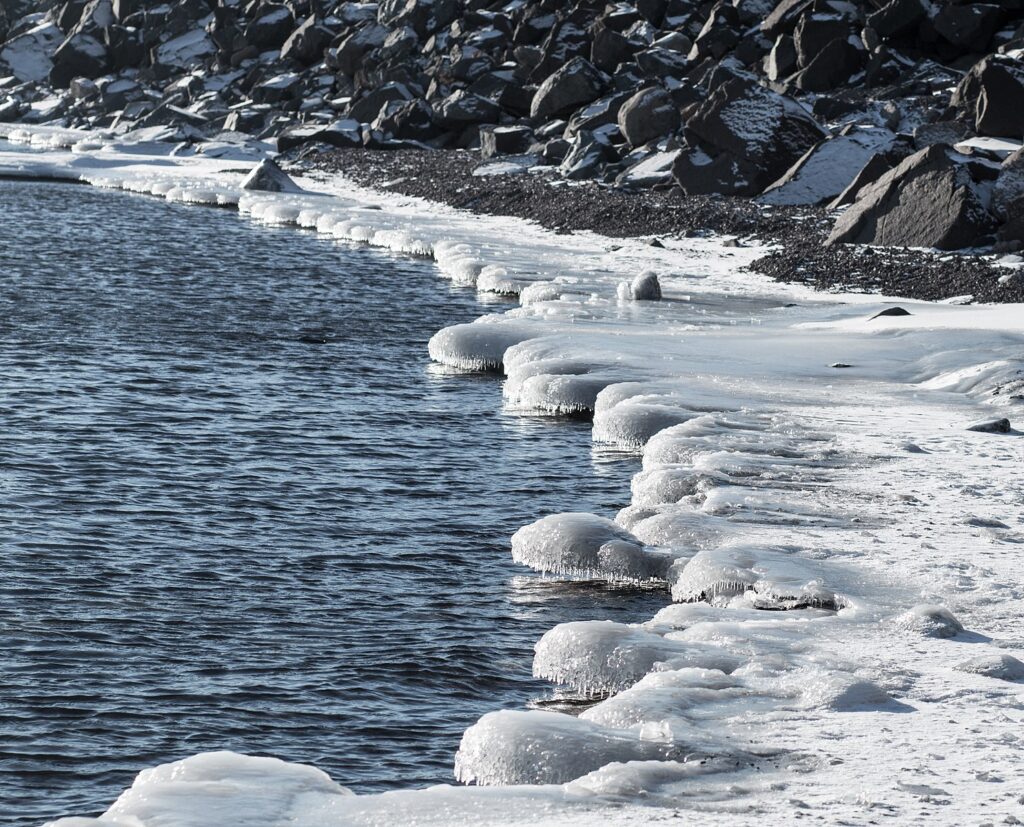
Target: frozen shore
x,y
840,547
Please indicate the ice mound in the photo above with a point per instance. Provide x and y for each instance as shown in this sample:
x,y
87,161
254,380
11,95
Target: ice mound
x,y
777,577
532,747
597,657
539,291
930,620
1004,667
838,691
680,616
214,789
585,545
479,345
684,530
459,262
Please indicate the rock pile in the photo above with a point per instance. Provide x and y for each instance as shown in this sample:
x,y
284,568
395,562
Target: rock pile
x,y
908,111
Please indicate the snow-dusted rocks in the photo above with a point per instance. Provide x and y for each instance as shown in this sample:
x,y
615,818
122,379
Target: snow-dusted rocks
x,y
577,83
929,200
29,56
267,176
990,96
649,114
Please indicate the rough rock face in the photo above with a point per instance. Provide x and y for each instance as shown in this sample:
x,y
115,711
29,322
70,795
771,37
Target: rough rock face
x,y
577,83
991,95
754,134
929,200
649,114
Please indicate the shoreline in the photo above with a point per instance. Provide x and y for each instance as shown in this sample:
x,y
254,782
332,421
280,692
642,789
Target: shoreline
x,y
796,233
764,463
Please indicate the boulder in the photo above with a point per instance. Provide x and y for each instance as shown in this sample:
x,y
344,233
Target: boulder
x,y
80,55
897,18
609,48
831,66
648,115
970,26
760,133
826,169
928,200
271,26
267,176
993,93
28,55
654,170
406,120
347,55
462,108
1008,189
587,154
505,140
577,83
781,60
697,173
307,43
369,105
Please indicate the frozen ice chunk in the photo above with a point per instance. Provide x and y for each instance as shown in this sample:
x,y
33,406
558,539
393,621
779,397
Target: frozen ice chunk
x,y
533,747
213,789
479,345
600,656
930,621
585,545
778,577
644,287
1004,667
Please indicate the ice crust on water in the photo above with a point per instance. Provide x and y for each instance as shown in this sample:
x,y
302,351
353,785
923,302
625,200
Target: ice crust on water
x,y
585,545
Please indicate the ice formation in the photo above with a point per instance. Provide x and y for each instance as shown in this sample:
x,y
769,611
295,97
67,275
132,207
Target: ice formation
x,y
778,501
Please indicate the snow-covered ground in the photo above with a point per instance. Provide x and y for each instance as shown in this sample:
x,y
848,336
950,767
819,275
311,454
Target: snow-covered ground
x,y
842,550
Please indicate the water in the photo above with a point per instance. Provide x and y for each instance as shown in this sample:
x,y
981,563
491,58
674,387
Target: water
x,y
240,510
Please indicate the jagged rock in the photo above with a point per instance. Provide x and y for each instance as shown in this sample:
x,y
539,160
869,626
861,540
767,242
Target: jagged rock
x,y
781,60
267,176
940,132
876,166
609,48
126,48
830,66
80,55
602,112
1008,189
815,32
306,44
587,153
647,115
577,83
406,120
29,55
279,88
368,107
928,200
505,140
755,135
82,88
969,26
784,17
897,18
826,169
654,170
992,92
244,120
347,55
462,108
719,34
186,51
271,27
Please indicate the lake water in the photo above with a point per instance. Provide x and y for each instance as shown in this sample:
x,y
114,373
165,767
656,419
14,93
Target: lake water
x,y
240,510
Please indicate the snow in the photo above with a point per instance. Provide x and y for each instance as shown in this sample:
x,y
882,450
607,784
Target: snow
x,y
186,50
28,55
857,646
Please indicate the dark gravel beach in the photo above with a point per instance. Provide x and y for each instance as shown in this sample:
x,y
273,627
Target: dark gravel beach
x,y
799,232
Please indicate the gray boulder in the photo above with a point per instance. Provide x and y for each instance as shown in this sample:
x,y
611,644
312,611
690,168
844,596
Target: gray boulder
x,y
648,115
271,26
267,176
991,93
80,55
505,140
577,83
928,200
306,44
462,108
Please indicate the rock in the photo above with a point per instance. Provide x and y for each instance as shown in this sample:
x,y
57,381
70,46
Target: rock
x,y
244,120
1008,189
406,120
645,287
462,108
991,426
784,17
697,173
928,200
271,26
876,166
342,133
781,60
82,88
80,55
655,170
587,154
306,44
891,311
609,48
648,115
29,55
602,112
366,108
505,140
267,176
284,87
186,51
940,132
991,93
830,67
816,32
760,133
719,35
968,26
577,83
826,169
930,621
897,18
1003,667
348,54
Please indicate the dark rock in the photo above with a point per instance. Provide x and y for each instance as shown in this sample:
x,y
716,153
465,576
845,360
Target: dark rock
x,y
830,67
897,18
928,200
940,132
80,55
505,140
891,311
407,120
815,32
577,83
83,88
369,105
968,26
697,173
462,108
781,60
719,34
875,168
763,132
993,92
270,28
661,64
587,153
784,17
279,88
307,43
609,48
347,55
991,426
1008,189
602,112
648,115
267,176
245,120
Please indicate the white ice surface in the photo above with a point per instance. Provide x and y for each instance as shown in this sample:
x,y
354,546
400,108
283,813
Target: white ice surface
x,y
851,497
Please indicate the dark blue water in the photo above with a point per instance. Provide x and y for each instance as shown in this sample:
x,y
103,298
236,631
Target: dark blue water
x,y
240,510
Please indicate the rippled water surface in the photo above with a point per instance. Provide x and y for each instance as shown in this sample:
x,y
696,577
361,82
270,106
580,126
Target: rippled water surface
x,y
239,509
